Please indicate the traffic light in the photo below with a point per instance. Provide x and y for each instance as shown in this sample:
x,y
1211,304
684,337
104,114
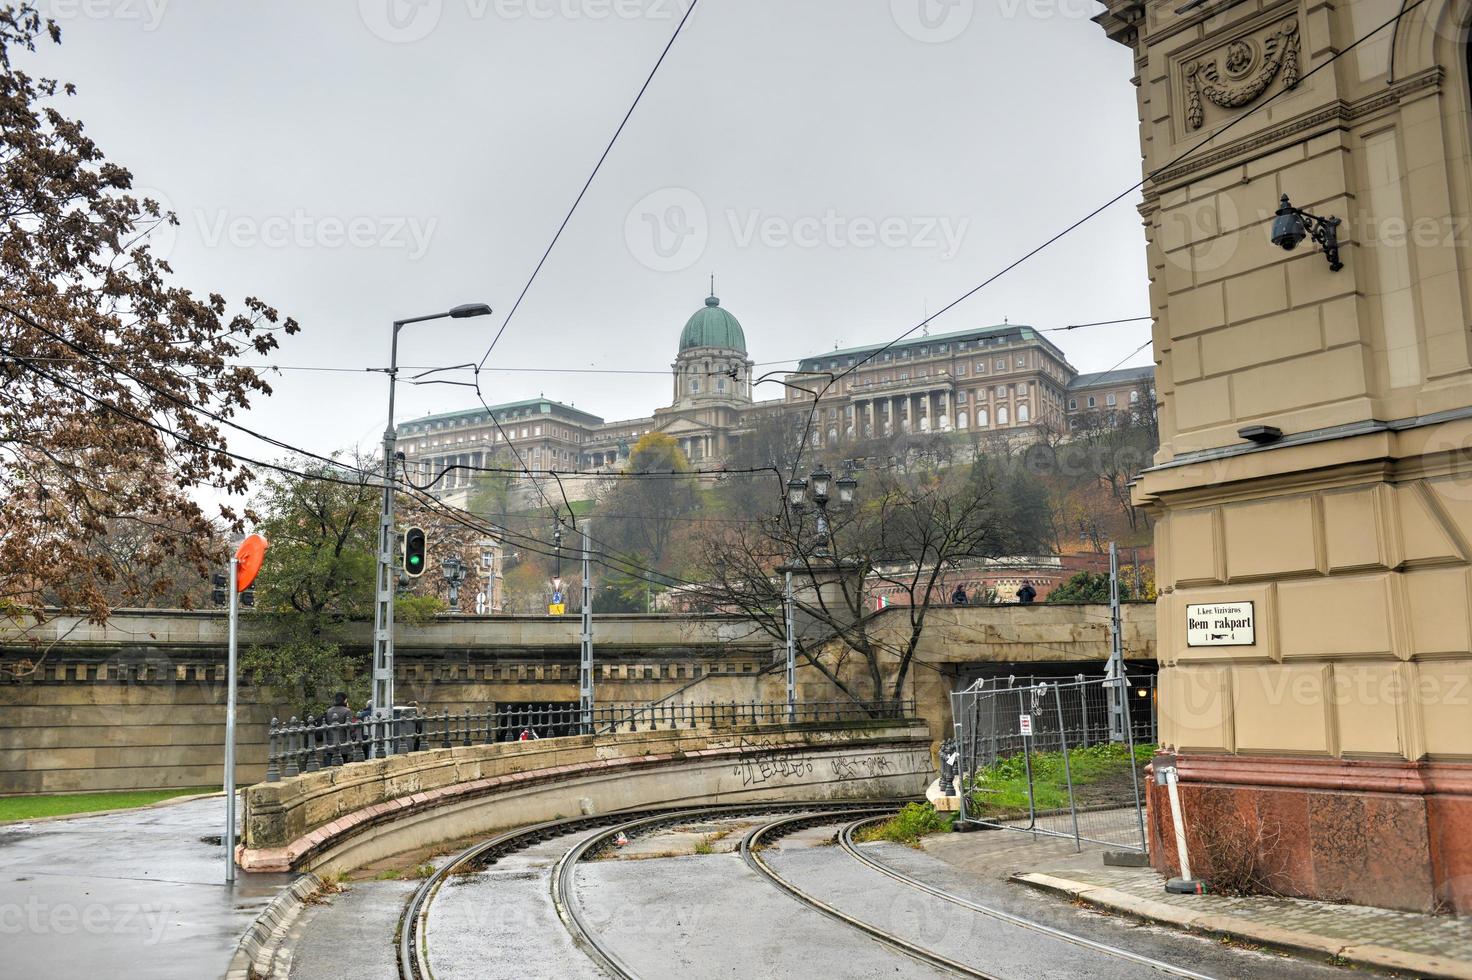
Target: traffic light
x,y
219,588
414,546
248,597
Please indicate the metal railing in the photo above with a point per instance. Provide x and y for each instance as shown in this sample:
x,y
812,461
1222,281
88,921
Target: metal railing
x,y
298,746
1055,757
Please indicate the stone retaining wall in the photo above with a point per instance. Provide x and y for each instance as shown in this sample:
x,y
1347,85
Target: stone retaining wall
x,y
343,818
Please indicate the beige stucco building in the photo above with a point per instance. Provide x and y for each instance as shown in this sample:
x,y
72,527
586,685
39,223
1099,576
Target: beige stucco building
x,y
1343,726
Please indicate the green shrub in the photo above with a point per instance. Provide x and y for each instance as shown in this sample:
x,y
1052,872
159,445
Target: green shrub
x,y
915,821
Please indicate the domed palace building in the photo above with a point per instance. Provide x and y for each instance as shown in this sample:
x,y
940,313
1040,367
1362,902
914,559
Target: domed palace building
x,y
1004,382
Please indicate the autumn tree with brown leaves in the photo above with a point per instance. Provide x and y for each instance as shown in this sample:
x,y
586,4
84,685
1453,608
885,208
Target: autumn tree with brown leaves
x,y
115,381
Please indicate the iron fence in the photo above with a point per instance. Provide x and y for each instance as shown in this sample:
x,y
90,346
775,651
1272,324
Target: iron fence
x,y
1062,758
306,746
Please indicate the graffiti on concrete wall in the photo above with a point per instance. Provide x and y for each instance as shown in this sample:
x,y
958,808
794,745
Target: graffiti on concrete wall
x,y
762,763
866,768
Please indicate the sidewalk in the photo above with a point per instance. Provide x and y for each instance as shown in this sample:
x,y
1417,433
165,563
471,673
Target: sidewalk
x,y
1423,945
132,891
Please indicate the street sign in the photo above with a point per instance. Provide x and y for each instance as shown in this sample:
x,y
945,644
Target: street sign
x,y
249,555
1220,624
557,598
480,603
1025,722
556,609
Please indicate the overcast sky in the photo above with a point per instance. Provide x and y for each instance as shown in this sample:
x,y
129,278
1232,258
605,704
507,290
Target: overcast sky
x,y
841,166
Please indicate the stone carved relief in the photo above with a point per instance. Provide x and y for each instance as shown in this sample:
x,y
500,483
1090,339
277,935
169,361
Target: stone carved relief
x,y
1239,73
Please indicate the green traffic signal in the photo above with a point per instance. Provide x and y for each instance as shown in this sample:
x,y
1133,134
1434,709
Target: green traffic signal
x,y
414,548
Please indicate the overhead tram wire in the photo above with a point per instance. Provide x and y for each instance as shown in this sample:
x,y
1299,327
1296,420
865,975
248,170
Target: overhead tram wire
x,y
589,182
365,478
177,399
648,372
1069,229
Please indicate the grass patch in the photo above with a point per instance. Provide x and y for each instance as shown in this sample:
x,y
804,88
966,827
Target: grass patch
x,y
915,821
61,804
1001,787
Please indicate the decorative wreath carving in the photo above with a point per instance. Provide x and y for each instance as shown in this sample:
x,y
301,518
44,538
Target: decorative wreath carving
x,y
1249,68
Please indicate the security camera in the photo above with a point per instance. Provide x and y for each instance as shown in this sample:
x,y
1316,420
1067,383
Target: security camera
x,y
1288,227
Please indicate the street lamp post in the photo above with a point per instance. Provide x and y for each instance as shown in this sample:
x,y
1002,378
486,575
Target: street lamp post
x,y
821,483
454,571
383,606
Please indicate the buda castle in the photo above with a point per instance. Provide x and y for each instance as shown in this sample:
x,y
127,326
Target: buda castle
x,y
987,383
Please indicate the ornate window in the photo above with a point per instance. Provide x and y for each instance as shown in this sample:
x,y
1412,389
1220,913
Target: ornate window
x,y
1002,415
961,420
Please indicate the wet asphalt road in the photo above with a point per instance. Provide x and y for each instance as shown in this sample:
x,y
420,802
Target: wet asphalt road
x,y
129,893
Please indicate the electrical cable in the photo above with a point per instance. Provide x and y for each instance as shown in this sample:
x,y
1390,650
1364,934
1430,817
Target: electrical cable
x,y
1108,204
589,182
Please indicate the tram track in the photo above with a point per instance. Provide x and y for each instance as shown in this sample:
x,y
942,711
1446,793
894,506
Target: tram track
x,y
847,844
411,939
755,841
759,837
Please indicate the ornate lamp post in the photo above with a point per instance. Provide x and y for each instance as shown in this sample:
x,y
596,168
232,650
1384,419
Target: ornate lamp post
x,y
454,571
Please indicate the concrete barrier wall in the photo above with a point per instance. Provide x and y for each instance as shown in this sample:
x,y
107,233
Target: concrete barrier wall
x,y
138,703
343,818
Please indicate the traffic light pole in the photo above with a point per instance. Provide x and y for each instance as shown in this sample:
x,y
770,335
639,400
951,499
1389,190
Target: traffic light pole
x,y
229,838
383,604
585,660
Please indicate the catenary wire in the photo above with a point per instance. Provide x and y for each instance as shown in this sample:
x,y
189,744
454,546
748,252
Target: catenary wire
x,y
589,182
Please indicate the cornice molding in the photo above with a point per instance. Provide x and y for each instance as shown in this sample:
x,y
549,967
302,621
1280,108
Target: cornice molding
x,y
1338,114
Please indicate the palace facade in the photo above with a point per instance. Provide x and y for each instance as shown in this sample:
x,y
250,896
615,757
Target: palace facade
x,y
998,382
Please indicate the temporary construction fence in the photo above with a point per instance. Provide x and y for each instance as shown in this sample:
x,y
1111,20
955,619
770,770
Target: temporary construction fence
x,y
1062,758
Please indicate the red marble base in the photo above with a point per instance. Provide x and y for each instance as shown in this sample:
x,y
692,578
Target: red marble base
x,y
1389,834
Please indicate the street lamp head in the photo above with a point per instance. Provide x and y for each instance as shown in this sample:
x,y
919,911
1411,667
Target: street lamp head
x,y
821,479
797,491
846,487
469,310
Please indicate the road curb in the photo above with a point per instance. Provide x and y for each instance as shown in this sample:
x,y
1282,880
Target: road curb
x,y
1359,954
257,949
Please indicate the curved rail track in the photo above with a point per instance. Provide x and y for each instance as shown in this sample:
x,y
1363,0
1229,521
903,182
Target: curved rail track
x,y
413,954
846,842
752,844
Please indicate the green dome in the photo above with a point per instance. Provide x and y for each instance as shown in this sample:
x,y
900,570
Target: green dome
x,y
713,327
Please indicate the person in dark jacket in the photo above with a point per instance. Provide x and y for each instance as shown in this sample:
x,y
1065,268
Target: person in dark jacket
x,y
1027,593
336,719
958,598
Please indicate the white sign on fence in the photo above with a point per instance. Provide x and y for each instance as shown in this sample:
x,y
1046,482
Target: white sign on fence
x,y
1026,722
1220,624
